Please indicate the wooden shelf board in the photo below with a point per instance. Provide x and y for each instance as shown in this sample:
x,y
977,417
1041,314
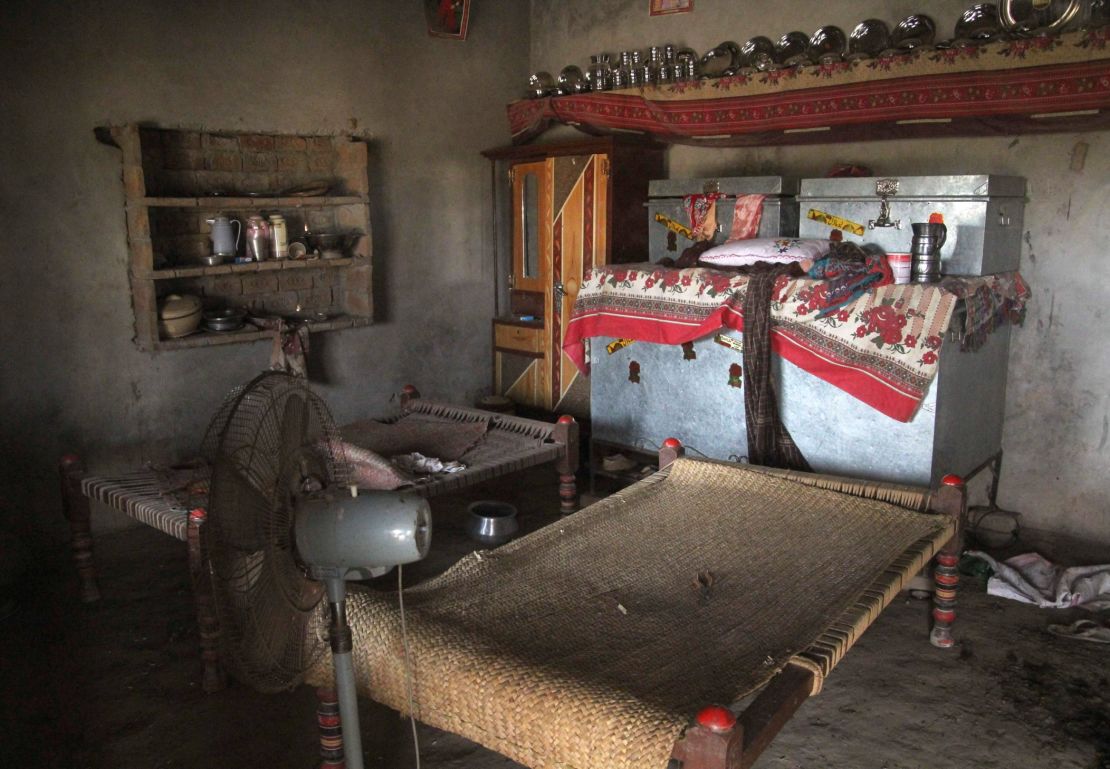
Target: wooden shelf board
x,y
250,334
201,271
228,202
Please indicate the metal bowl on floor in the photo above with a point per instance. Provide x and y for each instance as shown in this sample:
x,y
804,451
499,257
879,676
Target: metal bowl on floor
x,y
491,523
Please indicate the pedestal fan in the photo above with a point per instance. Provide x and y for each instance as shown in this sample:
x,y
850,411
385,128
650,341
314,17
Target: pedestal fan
x,y
284,529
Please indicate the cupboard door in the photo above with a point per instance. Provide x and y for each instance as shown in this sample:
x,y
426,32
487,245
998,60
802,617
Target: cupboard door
x,y
531,226
578,243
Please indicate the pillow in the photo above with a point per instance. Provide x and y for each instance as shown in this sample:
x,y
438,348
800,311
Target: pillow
x,y
739,253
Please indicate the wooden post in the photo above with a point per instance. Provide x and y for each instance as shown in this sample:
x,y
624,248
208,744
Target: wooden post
x,y
671,450
331,729
714,741
408,395
566,433
950,500
213,678
75,506
719,740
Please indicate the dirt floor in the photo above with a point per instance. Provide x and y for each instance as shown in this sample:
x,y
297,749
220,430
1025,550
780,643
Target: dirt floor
x,y
115,685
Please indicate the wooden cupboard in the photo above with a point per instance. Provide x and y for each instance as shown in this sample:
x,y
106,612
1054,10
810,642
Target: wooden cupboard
x,y
559,209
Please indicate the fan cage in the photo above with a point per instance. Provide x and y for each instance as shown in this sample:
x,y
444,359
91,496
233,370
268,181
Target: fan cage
x,y
268,439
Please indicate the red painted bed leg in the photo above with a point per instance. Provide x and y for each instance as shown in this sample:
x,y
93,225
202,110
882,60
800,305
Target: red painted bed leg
x,y
75,506
671,450
714,741
331,729
950,499
408,395
213,678
566,433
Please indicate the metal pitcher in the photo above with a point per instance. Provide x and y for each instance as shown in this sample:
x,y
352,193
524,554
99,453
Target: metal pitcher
x,y
223,243
258,239
928,239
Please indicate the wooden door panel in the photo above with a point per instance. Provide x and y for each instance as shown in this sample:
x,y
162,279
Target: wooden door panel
x,y
575,248
539,217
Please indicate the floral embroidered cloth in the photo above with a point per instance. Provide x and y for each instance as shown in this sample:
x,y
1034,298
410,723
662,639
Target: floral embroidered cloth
x,y
881,348
973,85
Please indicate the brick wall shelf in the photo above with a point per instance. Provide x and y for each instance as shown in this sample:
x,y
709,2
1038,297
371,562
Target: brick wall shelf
x,y
229,203
250,334
168,175
270,266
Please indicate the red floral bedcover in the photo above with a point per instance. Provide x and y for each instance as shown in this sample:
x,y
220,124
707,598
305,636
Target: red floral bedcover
x,y
882,348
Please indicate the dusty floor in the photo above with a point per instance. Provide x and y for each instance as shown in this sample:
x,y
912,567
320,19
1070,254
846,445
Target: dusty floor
x,y
114,685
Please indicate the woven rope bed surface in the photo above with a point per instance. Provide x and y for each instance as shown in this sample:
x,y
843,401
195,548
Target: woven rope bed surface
x,y
149,496
587,645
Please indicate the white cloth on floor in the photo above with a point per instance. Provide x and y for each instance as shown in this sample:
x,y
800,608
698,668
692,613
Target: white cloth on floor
x,y
418,463
1032,578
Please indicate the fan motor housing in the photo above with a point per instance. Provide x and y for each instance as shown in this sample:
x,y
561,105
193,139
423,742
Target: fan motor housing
x,y
364,536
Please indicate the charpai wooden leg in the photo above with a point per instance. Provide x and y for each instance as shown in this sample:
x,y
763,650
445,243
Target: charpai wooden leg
x,y
75,505
946,579
951,499
331,729
408,395
566,433
671,450
213,677
717,739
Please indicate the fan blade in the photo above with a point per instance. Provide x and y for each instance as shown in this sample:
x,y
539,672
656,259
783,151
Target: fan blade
x,y
239,508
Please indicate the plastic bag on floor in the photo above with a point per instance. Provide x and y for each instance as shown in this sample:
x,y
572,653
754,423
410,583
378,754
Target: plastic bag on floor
x,y
1032,578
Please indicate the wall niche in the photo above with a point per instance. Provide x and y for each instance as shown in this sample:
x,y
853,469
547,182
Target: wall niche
x,y
175,181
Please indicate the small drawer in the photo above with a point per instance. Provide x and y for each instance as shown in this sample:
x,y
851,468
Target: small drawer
x,y
519,338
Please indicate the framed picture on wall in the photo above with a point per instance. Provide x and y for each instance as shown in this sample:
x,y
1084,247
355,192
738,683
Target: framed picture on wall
x,y
447,18
664,7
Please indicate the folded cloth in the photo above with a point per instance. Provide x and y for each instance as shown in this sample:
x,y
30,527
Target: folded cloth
x,y
703,214
849,271
370,470
746,217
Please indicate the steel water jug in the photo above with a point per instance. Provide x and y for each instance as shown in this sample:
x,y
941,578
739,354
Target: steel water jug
x,y
928,238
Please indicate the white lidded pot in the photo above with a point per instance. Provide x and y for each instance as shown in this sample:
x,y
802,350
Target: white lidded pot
x,y
179,315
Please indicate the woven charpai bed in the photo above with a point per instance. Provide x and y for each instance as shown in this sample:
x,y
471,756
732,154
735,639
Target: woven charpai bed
x,y
591,643
167,499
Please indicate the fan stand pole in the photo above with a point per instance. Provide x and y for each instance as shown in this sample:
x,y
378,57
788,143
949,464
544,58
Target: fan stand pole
x,y
340,636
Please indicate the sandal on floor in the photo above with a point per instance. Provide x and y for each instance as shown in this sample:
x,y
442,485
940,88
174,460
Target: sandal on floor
x,y
1083,630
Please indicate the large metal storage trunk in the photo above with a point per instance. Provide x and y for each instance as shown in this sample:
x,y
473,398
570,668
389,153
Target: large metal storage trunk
x,y
983,212
780,209
958,426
